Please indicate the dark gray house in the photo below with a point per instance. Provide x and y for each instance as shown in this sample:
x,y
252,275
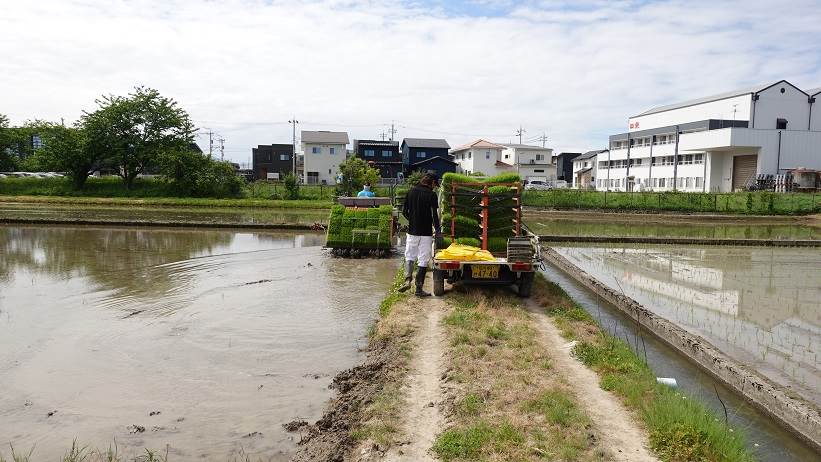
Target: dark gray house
x,y
269,159
564,165
380,154
427,155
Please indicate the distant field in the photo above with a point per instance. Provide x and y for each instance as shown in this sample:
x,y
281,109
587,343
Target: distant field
x,y
753,203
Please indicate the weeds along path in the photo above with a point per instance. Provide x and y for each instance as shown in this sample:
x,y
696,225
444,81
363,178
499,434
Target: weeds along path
x,y
617,428
423,388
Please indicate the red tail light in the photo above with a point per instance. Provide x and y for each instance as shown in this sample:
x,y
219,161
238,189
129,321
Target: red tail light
x,y
449,266
521,267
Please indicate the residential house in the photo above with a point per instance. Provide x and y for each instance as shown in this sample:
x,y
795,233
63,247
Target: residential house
x,y
564,165
716,143
427,155
584,170
531,162
480,156
380,154
323,152
272,161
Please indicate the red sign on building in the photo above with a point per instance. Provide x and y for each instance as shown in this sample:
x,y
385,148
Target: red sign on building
x,y
634,125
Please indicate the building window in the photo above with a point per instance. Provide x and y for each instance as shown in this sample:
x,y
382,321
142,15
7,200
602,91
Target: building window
x,y
333,150
284,157
698,158
487,154
781,124
539,157
688,182
386,153
699,182
421,154
369,153
538,171
316,150
507,156
662,182
469,154
329,171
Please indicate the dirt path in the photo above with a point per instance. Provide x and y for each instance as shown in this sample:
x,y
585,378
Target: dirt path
x,y
619,431
423,390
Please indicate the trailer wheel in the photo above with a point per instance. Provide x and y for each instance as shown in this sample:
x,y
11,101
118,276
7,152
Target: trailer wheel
x,y
526,284
438,283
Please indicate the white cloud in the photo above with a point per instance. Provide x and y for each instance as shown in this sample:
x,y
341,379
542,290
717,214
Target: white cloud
x,y
574,69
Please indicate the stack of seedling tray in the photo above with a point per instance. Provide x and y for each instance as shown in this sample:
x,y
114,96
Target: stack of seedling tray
x,y
356,232
463,195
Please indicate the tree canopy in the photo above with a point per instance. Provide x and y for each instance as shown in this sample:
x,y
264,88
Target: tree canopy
x,y
355,173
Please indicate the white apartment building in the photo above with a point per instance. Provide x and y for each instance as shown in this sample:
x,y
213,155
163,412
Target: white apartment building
x,y
531,162
480,156
584,170
717,143
323,151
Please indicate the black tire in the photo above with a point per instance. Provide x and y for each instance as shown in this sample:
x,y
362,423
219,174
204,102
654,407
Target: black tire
x,y
526,285
438,283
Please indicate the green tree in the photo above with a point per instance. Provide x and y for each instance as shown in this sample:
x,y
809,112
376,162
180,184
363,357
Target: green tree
x,y
135,130
355,173
64,149
192,173
7,158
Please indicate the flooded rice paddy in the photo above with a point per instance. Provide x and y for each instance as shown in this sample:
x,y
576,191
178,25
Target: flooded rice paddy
x,y
198,215
761,306
205,341
699,230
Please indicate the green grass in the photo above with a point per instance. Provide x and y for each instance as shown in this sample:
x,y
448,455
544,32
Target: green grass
x,y
752,203
111,191
508,404
681,428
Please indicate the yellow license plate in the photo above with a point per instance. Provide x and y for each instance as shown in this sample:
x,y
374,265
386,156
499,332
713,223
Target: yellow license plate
x,y
485,271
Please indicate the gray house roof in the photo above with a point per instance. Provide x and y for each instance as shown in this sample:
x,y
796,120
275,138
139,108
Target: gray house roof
x,y
814,91
590,154
718,97
324,137
426,143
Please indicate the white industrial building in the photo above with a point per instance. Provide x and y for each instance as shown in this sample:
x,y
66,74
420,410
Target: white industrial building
x,y
323,151
717,143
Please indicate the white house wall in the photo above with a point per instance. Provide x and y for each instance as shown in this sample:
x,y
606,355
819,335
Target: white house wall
x,y
791,105
325,163
815,121
722,109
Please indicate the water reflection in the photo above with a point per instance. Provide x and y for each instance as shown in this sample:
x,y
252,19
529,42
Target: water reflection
x,y
759,305
226,334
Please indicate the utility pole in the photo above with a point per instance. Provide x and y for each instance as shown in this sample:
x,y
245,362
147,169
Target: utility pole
x,y
221,141
210,143
293,122
393,130
383,135
521,131
542,138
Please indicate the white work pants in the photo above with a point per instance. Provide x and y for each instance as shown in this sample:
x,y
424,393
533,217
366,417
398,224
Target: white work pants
x,y
419,248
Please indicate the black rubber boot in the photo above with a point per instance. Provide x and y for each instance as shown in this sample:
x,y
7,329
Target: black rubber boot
x,y
420,281
408,276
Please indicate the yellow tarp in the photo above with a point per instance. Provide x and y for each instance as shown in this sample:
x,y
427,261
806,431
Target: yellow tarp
x,y
461,252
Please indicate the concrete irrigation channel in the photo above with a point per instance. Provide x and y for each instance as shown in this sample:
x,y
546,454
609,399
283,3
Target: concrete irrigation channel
x,y
799,414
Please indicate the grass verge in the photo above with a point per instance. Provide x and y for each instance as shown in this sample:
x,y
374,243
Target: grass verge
x,y
507,401
172,202
382,416
681,429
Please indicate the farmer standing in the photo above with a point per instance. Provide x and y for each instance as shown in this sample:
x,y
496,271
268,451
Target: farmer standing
x,y
420,209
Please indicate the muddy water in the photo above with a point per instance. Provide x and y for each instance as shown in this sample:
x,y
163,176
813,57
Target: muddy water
x,y
767,440
217,215
641,228
761,306
226,335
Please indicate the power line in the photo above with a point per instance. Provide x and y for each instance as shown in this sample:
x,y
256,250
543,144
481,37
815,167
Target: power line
x,y
521,131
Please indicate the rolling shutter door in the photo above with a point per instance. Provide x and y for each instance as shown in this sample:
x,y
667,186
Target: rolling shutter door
x,y
743,170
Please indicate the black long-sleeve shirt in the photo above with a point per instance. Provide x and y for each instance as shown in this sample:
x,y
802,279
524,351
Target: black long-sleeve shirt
x,y
421,210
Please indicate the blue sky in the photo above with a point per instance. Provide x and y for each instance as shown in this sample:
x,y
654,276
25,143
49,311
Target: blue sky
x,y
459,70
